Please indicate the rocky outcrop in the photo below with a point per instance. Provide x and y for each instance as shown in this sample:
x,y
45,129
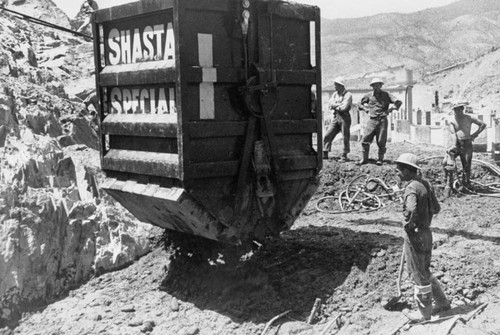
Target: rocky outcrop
x,y
57,229
45,10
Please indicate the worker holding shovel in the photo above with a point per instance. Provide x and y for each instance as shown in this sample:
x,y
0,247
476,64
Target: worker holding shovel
x,y
419,206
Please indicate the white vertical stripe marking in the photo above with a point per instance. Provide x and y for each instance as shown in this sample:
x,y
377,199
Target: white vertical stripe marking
x,y
209,76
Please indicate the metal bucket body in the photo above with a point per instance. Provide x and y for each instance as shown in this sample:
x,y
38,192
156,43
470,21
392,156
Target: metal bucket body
x,y
206,124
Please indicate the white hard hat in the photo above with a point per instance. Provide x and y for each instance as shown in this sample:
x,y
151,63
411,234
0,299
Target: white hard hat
x,y
459,104
376,81
340,81
408,159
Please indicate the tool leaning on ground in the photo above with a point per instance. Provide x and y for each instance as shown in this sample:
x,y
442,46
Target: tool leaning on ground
x,y
388,304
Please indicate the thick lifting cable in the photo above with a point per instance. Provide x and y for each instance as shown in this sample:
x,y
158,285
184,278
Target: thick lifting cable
x,y
43,23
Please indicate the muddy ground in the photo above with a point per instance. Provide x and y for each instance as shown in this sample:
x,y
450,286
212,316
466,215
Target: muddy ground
x,y
349,261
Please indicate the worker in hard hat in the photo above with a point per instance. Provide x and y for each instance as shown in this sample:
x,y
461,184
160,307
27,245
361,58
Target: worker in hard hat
x,y
88,7
340,104
460,126
419,207
377,104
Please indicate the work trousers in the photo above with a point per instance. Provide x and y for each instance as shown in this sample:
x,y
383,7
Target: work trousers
x,y
418,253
339,124
375,128
465,152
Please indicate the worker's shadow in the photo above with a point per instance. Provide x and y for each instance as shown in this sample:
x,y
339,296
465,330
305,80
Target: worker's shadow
x,y
288,273
450,232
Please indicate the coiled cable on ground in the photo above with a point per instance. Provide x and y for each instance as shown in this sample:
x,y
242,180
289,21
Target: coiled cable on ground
x,y
487,190
359,195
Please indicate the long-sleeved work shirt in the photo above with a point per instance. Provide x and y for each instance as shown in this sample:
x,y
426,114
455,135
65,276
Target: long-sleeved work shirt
x,y
420,203
377,104
340,103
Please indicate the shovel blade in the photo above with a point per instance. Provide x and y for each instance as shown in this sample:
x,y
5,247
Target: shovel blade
x,y
389,304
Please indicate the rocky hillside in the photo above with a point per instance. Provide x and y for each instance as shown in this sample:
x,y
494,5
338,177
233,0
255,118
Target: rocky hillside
x,y
423,41
45,10
477,82
57,229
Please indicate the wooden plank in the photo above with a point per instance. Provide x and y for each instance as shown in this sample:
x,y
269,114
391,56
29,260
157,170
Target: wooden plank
x,y
136,74
297,163
149,144
290,77
265,44
98,66
183,144
233,75
200,129
230,168
306,126
207,129
151,125
319,102
142,162
298,175
194,74
210,170
212,5
132,9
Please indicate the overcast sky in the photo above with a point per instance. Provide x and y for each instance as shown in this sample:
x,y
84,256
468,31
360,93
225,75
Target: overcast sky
x,y
330,9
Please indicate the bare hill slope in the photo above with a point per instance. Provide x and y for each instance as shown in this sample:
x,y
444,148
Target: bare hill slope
x,y
424,40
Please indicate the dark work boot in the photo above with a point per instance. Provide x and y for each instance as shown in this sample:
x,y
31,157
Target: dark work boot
x,y
441,302
365,151
381,153
325,154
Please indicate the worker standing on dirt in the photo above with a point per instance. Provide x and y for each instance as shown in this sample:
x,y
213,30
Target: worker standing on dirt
x,y
460,127
88,7
449,166
340,103
378,105
419,206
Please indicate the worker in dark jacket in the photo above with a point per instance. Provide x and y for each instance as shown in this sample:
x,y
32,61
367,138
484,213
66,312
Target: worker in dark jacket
x,y
419,206
88,7
378,105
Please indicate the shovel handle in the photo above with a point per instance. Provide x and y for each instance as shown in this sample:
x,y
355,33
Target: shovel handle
x,y
400,272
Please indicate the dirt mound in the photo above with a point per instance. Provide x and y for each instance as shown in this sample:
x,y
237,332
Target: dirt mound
x,y
348,261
